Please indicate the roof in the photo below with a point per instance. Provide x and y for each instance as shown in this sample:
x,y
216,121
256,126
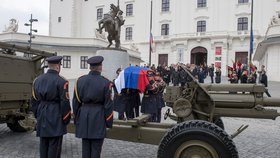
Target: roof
x,y
262,47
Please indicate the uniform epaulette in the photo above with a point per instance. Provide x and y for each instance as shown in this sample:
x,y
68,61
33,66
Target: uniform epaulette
x,y
63,78
106,78
76,90
33,89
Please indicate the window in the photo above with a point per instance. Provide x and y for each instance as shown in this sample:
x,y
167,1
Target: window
x,y
128,33
201,3
59,19
84,64
165,5
99,13
66,61
129,10
165,29
242,24
201,26
242,1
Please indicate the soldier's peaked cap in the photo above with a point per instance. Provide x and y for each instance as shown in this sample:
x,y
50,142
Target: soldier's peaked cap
x,y
54,59
96,60
150,73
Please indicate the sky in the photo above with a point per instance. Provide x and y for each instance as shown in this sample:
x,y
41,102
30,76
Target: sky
x,y
22,10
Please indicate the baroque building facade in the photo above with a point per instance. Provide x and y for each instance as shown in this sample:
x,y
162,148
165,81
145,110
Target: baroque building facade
x,y
186,31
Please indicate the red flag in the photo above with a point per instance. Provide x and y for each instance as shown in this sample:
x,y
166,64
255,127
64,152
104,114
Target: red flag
x,y
230,69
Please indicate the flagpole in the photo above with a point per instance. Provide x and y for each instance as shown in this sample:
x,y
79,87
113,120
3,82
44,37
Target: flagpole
x,y
251,39
151,19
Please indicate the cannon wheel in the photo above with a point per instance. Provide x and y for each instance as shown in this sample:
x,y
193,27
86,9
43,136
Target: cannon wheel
x,y
197,139
17,127
24,125
219,122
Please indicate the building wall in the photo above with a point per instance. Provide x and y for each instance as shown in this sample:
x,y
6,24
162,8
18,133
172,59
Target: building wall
x,y
63,28
221,25
273,66
73,47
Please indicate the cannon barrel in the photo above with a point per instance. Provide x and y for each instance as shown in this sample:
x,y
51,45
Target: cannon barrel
x,y
239,95
272,102
256,88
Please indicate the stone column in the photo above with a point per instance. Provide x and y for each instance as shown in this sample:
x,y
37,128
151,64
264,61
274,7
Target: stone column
x,y
113,59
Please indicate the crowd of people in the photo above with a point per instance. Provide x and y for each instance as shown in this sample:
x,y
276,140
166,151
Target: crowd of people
x,y
176,75
237,73
128,102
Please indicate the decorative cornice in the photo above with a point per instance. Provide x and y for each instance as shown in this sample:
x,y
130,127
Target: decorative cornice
x,y
242,14
201,18
165,21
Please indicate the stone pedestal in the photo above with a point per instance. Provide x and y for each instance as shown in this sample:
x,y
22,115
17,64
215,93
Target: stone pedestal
x,y
113,59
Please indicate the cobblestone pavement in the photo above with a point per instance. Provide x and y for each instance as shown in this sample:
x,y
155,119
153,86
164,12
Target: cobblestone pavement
x,y
260,140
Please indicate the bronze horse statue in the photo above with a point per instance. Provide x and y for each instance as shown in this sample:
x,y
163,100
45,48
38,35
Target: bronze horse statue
x,y
109,22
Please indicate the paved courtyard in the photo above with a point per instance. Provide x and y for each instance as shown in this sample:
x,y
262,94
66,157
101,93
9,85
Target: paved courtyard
x,y
260,140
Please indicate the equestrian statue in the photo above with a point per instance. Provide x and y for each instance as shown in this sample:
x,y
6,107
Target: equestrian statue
x,y
112,23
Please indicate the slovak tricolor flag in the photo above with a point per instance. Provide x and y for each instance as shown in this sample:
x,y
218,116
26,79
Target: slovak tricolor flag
x,y
133,77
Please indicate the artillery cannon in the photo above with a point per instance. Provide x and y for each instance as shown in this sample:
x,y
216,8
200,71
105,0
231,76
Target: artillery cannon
x,y
197,109
16,77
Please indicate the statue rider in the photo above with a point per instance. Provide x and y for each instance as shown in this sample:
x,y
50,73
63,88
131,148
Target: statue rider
x,y
112,23
119,21
110,16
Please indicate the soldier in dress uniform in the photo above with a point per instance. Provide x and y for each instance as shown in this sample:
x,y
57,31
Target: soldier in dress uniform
x,y
119,100
51,107
149,101
123,103
135,101
160,102
93,108
182,76
132,101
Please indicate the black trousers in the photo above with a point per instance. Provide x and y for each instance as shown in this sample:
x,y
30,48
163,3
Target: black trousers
x,y
136,111
50,147
92,148
159,115
267,93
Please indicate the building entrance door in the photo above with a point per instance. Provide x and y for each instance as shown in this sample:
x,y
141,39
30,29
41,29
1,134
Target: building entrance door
x,y
163,59
199,56
242,57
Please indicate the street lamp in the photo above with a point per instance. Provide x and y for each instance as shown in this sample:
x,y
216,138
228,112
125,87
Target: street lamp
x,y
31,36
